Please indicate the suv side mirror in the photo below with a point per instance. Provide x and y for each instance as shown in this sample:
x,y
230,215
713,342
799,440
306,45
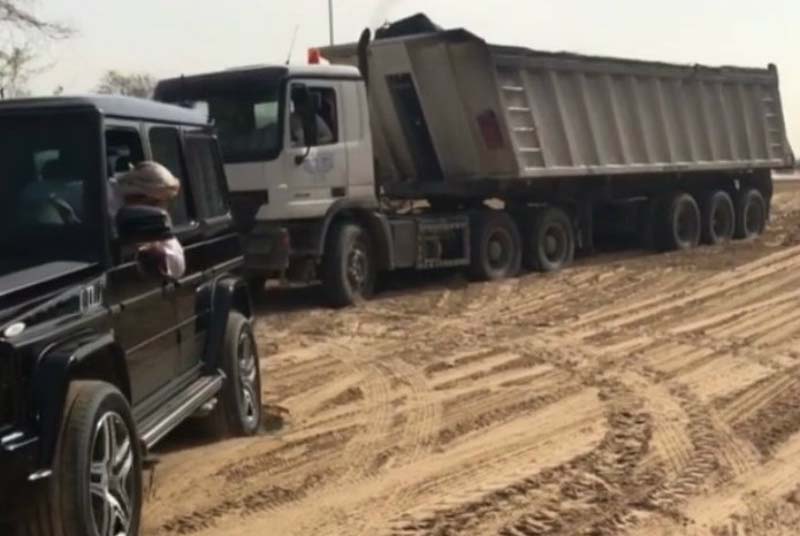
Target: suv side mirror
x,y
140,224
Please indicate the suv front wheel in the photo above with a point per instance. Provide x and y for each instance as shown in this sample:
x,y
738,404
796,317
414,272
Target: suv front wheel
x,y
96,486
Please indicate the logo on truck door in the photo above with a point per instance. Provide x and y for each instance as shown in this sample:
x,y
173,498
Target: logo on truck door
x,y
320,164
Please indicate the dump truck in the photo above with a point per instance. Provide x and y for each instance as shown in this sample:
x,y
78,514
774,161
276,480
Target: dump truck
x,y
426,148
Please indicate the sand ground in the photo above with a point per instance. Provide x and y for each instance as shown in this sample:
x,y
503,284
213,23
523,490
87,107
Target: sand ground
x,y
632,394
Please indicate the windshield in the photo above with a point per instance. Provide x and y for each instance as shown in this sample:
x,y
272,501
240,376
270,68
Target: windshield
x,y
248,123
49,190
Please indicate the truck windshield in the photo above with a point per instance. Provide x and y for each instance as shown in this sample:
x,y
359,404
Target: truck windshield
x,y
49,190
248,122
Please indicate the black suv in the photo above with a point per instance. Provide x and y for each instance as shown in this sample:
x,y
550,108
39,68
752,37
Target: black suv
x,y
99,357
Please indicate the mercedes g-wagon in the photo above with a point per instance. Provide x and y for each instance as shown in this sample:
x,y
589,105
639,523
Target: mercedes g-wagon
x,y
100,356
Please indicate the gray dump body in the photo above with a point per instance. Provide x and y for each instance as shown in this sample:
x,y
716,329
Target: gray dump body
x,y
510,114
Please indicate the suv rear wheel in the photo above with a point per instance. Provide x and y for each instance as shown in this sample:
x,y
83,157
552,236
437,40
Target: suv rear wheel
x,y
238,411
96,486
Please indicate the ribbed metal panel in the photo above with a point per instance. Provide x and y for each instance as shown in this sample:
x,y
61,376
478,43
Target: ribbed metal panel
x,y
593,116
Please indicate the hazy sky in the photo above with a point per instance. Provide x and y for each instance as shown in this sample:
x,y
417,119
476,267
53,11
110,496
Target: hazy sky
x,y
169,37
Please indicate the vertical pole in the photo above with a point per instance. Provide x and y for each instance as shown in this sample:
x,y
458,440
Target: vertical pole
x,y
330,18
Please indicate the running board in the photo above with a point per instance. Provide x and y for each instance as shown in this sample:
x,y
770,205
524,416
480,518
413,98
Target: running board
x,y
177,410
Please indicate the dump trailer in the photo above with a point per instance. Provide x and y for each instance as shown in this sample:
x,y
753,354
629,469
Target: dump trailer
x,y
426,148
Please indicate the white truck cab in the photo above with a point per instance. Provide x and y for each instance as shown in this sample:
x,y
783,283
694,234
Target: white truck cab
x,y
298,150
306,177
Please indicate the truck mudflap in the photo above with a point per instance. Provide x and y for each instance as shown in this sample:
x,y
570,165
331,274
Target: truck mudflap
x,y
266,249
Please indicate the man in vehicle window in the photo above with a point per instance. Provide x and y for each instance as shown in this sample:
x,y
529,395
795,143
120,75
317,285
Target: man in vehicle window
x,y
151,184
324,133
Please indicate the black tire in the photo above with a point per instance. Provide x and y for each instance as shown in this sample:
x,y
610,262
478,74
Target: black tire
x,y
84,460
550,241
348,268
495,246
238,411
718,218
680,223
751,214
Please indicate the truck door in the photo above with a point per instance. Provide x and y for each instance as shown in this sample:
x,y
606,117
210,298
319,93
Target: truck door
x,y
315,182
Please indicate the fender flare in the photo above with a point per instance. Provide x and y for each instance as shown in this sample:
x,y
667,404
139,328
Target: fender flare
x,y
229,293
52,378
365,214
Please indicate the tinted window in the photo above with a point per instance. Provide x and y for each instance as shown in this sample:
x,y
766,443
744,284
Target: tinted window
x,y
207,179
50,191
166,147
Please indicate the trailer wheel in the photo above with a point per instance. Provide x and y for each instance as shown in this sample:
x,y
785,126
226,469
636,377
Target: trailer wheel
x,y
496,246
751,214
348,268
718,218
681,223
551,241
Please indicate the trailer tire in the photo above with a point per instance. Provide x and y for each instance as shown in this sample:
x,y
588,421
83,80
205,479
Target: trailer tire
x,y
496,246
550,244
681,223
348,268
718,218
751,214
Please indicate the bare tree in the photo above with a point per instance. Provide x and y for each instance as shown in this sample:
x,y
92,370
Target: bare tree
x,y
131,85
23,32
21,19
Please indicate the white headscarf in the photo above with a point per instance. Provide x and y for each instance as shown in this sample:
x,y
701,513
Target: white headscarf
x,y
150,179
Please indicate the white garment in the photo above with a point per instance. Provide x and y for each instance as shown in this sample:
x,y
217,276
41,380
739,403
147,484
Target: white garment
x,y
175,259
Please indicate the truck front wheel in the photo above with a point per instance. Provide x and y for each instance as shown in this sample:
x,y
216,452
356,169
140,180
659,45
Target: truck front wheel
x,y
348,268
496,246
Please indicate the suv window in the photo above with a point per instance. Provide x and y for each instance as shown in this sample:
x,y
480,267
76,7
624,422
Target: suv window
x,y
327,117
166,148
207,177
49,190
123,150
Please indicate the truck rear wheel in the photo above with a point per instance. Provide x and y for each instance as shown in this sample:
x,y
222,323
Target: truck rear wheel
x,y
496,246
751,214
681,223
550,244
348,269
718,218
